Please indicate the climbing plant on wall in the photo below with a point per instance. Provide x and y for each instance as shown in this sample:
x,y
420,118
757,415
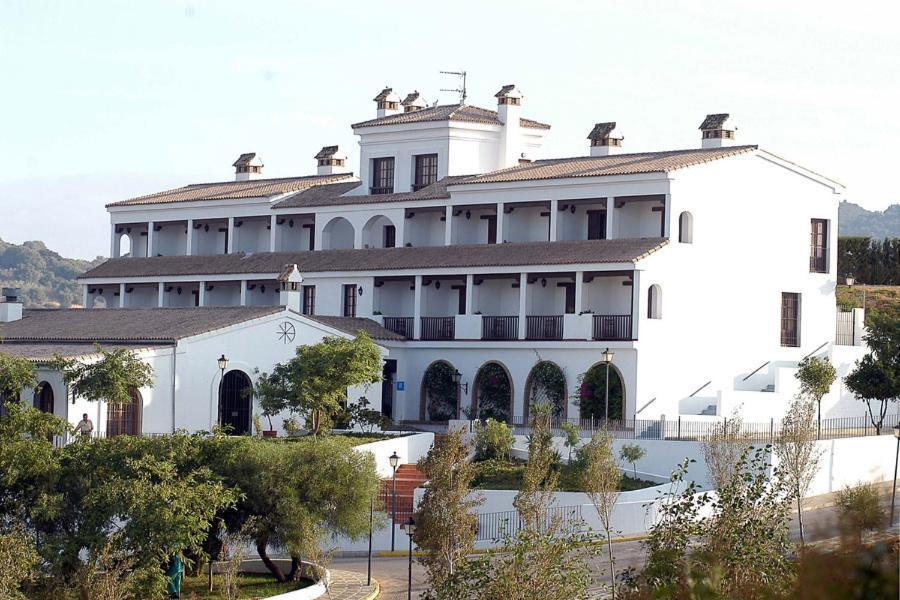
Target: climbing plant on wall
x,y
494,392
547,384
440,392
592,393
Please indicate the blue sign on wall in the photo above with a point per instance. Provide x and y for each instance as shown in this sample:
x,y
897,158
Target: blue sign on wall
x,y
401,385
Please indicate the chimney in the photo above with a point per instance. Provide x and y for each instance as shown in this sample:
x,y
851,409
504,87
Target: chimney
x,y
509,105
10,308
718,131
388,102
248,166
291,291
605,140
331,160
414,102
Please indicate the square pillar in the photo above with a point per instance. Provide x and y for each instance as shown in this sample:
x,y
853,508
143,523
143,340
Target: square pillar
x,y
122,303
470,290
579,291
635,303
189,243
151,239
113,239
611,233
201,294
230,247
554,220
273,235
243,292
667,210
400,232
448,226
501,217
161,294
523,293
417,309
85,297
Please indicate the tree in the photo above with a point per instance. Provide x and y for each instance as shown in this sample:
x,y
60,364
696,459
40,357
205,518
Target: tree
x,y
797,452
877,374
600,479
314,382
18,563
16,374
111,377
723,449
816,376
632,453
860,509
571,432
493,440
540,479
445,521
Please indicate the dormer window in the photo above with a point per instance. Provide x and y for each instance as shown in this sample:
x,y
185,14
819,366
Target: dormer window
x,y
382,176
426,171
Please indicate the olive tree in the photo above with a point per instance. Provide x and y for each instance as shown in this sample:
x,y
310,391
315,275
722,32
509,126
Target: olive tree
x,y
797,452
816,376
16,374
600,479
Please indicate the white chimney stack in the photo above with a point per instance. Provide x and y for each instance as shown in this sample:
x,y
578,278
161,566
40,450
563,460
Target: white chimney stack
x,y
414,102
509,107
331,160
248,166
388,103
291,290
718,131
605,140
10,308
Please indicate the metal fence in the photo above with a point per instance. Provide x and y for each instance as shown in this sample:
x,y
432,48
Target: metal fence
x,y
497,525
846,329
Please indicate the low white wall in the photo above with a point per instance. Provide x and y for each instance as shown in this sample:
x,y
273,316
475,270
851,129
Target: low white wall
x,y
410,448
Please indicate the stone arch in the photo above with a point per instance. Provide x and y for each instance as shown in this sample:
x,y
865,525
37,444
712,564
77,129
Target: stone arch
x,y
686,228
43,397
592,393
125,418
338,234
439,394
654,302
99,301
379,232
492,392
546,382
236,402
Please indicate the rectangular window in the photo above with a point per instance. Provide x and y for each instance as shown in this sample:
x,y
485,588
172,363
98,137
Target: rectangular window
x,y
382,175
426,170
596,224
350,300
818,246
390,236
570,298
309,299
491,228
790,319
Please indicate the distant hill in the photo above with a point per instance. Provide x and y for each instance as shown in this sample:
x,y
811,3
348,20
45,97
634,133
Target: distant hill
x,y
46,278
854,220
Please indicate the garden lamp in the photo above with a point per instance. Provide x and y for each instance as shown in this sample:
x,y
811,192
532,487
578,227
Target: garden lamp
x,y
223,363
410,530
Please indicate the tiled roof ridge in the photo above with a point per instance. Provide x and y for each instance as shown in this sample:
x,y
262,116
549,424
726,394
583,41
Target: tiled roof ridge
x,y
454,111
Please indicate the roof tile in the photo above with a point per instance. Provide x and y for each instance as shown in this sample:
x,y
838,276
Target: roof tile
x,y
447,112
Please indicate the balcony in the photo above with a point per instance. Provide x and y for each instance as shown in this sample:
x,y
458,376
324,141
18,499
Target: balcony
x,y
544,327
612,328
438,328
375,191
499,328
400,325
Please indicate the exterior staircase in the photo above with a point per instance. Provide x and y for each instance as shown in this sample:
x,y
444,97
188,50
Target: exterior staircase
x,y
408,479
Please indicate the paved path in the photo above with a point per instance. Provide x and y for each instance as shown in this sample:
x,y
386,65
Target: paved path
x,y
351,585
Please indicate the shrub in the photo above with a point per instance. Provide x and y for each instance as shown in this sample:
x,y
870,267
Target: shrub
x,y
493,439
860,508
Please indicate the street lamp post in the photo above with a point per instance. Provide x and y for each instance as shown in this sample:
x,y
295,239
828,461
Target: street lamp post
x,y
896,459
456,378
222,362
410,530
607,358
371,520
394,460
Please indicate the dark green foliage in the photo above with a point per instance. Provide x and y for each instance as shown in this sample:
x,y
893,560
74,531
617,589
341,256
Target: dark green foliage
x,y
47,279
869,261
876,377
494,392
440,391
113,377
547,384
493,440
592,393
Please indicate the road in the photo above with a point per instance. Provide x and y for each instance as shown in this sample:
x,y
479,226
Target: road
x,y
819,523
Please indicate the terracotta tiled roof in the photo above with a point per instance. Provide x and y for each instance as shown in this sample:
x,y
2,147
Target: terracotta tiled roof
x,y
447,112
353,325
234,189
600,166
601,130
47,351
714,121
385,259
332,194
246,159
326,152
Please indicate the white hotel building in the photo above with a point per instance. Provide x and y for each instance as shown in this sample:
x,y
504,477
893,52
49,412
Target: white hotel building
x,y
707,271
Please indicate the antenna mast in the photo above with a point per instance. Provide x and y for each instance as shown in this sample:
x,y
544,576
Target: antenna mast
x,y
460,90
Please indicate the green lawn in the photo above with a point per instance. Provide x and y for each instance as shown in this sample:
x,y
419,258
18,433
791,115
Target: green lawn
x,y
880,299
507,475
251,586
351,439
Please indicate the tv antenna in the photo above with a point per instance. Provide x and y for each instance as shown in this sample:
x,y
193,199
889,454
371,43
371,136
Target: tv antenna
x,y
461,90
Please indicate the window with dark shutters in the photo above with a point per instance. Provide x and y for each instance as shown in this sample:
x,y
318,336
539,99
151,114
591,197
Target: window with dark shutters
x,y
790,319
309,299
350,300
818,246
382,176
426,170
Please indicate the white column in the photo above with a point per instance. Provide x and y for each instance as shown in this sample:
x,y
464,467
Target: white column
x,y
636,309
470,290
273,239
500,218
151,239
611,219
230,248
122,302
358,237
189,243
400,231
243,292
523,292
201,294
318,228
113,246
579,289
554,219
448,226
667,215
85,297
161,294
417,309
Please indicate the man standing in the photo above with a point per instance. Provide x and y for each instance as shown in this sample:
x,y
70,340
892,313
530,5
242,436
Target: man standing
x,y
84,427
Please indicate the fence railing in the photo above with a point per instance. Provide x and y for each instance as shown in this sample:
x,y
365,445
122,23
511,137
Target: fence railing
x,y
685,429
400,325
499,328
846,331
497,525
438,328
612,327
544,327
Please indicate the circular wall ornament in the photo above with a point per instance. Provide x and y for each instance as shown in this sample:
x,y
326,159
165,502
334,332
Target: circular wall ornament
x,y
286,332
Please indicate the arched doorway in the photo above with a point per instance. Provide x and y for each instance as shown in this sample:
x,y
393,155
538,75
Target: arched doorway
x,y
592,393
338,234
492,394
440,394
125,419
235,402
546,383
125,245
379,232
43,397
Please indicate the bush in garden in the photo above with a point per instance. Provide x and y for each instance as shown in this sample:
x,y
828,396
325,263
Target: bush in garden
x,y
493,439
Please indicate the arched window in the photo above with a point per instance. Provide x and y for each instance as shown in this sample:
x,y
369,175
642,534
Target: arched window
x,y
440,393
124,244
492,393
592,395
235,402
379,232
546,384
125,418
43,397
654,302
686,228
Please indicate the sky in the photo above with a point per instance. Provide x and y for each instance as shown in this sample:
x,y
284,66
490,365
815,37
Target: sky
x,y
103,100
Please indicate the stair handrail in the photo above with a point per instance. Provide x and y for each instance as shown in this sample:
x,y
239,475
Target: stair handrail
x,y
699,389
756,370
816,350
652,400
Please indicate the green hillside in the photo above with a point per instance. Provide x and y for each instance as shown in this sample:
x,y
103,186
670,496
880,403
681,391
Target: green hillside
x,y
46,278
854,220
